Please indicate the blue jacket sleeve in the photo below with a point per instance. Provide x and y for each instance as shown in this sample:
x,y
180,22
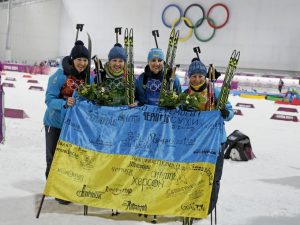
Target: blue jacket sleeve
x,y
228,106
139,90
55,83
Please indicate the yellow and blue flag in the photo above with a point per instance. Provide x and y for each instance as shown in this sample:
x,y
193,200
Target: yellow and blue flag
x,y
147,159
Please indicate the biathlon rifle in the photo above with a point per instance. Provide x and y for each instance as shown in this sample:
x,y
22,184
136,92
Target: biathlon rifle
x,y
155,34
118,31
66,64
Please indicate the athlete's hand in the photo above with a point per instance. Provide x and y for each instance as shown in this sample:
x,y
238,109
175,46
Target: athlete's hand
x,y
70,101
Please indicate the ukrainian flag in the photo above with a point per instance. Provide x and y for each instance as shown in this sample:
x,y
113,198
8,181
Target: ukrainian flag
x,y
147,159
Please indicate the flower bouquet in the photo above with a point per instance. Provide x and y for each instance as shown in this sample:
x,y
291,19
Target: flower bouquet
x,y
169,99
194,101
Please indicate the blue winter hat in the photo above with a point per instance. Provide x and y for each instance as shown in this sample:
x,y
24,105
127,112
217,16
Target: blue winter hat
x,y
79,51
156,53
197,67
117,52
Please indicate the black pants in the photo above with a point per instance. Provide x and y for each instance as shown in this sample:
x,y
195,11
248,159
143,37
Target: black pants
x,y
217,179
52,135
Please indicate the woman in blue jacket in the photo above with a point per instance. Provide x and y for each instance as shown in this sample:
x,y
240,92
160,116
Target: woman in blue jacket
x,y
61,86
148,84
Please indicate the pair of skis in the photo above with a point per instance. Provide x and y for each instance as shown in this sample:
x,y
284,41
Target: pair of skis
x,y
211,86
169,68
233,61
129,67
129,71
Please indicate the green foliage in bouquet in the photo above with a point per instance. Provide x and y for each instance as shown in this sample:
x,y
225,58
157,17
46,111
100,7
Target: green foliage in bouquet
x,y
195,101
99,95
105,96
169,99
87,91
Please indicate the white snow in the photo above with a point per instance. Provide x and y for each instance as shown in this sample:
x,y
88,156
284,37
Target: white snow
x,y
264,191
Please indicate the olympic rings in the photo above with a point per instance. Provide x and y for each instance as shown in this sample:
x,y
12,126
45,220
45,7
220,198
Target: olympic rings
x,y
186,21
185,11
74,84
154,85
163,14
115,84
212,35
227,18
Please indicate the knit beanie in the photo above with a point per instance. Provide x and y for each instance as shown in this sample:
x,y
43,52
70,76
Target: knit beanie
x,y
155,53
79,51
197,67
117,52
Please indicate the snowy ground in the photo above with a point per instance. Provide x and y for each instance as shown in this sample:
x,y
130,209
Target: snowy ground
x,y
264,191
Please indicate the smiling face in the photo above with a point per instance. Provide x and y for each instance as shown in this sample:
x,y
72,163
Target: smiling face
x,y
116,65
197,79
80,64
156,65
